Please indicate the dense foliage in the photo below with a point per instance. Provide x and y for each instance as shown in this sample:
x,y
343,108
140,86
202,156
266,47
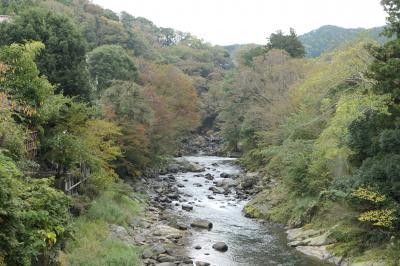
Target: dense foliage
x,y
325,132
89,93
63,59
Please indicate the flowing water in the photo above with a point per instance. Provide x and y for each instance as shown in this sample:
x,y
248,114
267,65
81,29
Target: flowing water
x,y
250,242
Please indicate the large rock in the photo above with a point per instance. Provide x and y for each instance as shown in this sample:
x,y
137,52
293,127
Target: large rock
x,y
147,253
321,253
301,233
319,240
249,181
216,190
200,223
165,258
202,263
181,226
209,177
173,168
158,249
193,167
220,246
187,207
166,264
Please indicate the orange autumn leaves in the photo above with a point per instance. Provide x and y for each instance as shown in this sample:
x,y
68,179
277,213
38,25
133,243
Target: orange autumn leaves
x,y
153,113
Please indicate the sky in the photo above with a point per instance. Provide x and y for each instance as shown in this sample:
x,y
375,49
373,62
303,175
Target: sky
x,y
224,22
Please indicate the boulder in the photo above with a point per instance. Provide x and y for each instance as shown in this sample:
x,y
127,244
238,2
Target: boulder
x,y
202,263
187,207
225,175
200,223
216,190
173,168
181,226
195,168
320,252
147,253
158,249
165,258
173,196
209,177
220,246
166,264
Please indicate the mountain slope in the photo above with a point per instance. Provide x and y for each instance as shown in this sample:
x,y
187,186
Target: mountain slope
x,y
330,37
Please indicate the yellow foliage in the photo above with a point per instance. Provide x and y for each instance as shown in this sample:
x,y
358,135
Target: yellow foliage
x,y
368,194
382,218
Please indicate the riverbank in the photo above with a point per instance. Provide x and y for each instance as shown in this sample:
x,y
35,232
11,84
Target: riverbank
x,y
324,231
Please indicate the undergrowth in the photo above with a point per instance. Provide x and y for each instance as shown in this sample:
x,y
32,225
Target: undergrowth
x,y
90,244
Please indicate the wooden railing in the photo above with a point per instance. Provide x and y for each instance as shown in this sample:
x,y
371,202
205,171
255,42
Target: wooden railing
x,y
68,182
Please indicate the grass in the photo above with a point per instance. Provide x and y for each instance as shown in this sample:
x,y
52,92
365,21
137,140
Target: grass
x,y
90,244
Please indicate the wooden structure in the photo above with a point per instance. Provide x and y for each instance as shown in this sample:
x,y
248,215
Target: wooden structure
x,y
4,18
31,144
69,182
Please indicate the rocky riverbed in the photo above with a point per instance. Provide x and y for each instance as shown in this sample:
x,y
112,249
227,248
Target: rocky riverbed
x,y
195,218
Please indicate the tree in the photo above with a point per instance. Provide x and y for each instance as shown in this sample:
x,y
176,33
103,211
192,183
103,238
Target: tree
x,y
392,7
33,216
63,59
174,99
290,43
21,77
108,63
125,103
75,137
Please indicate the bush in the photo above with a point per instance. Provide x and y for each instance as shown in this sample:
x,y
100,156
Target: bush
x,y
33,216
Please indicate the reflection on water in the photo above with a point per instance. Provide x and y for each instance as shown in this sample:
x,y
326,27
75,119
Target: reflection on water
x,y
250,243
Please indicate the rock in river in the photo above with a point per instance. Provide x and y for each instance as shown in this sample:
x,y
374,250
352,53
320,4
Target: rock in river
x,y
220,246
216,190
202,263
187,207
209,177
200,223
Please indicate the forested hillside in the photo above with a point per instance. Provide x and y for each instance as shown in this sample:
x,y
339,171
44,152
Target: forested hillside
x,y
329,37
95,104
91,94
323,132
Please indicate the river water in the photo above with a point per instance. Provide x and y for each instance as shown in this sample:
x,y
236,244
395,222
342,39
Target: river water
x,y
250,242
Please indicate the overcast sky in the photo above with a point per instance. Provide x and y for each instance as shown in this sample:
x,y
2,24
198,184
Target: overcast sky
x,y
250,21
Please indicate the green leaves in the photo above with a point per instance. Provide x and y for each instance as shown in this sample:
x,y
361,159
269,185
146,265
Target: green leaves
x,y
109,63
33,215
290,43
62,60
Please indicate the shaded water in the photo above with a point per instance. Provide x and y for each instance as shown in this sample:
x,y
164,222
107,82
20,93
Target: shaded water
x,y
250,243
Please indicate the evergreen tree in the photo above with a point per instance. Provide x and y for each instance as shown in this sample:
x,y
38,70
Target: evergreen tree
x,y
290,43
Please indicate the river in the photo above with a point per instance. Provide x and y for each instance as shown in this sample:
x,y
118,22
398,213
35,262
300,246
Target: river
x,y
250,243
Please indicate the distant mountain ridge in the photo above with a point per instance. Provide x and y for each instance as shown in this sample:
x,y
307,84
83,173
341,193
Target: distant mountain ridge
x,y
329,37
326,38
